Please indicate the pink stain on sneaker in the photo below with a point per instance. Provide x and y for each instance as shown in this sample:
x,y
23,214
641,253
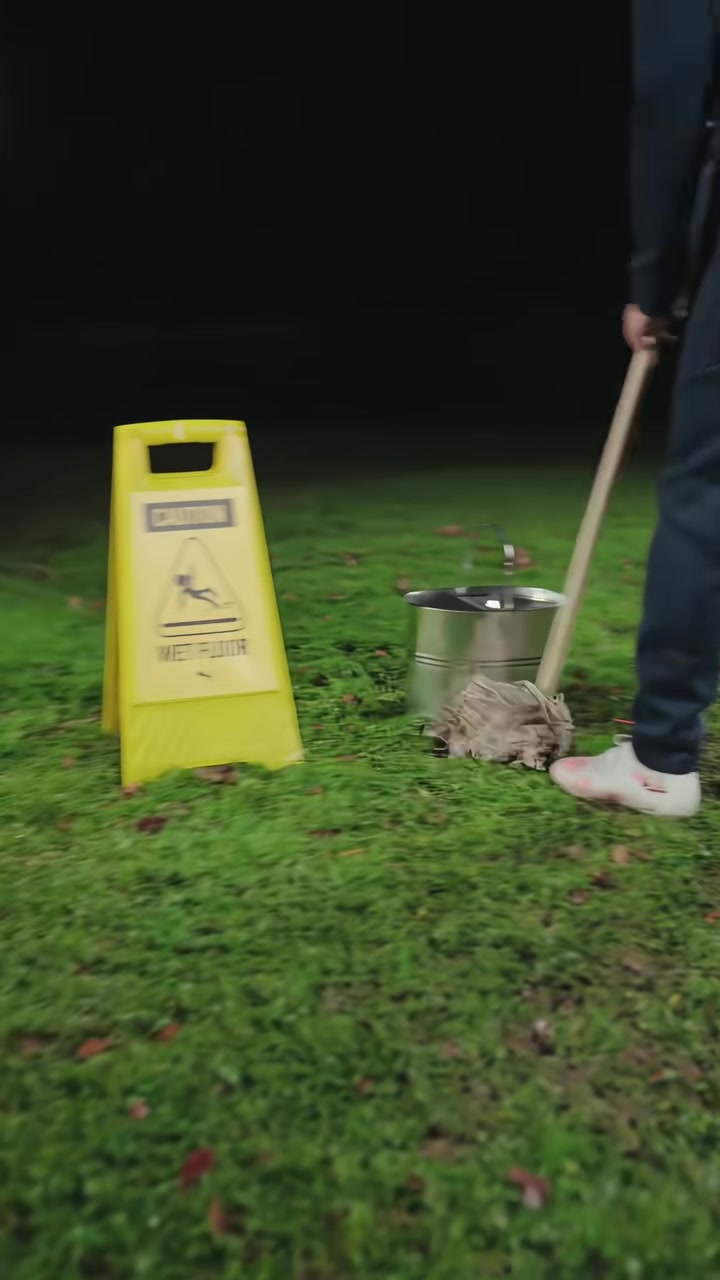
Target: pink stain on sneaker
x,y
575,763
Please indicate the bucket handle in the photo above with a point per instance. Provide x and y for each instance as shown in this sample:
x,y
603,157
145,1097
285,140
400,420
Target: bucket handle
x,y
508,550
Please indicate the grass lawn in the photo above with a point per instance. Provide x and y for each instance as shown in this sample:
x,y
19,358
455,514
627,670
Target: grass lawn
x,y
304,1026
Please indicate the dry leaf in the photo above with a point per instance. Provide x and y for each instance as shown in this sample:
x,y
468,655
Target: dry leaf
x,y
403,585
543,1035
365,1084
602,880
132,789
351,559
712,917
66,824
91,1048
621,855
139,1109
451,1051
335,599
579,897
151,823
347,759
218,1221
381,653
31,1045
441,1149
324,833
575,852
523,559
289,597
168,1032
316,791
198,1164
75,602
349,853
349,698
535,1190
451,531
220,774
68,762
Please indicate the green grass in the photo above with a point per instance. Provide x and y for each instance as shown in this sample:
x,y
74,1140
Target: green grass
x,y
358,1037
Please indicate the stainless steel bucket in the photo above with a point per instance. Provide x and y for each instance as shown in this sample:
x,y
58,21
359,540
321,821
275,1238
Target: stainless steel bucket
x,y
460,632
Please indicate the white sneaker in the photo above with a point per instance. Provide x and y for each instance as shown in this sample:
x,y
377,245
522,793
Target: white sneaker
x,y
618,777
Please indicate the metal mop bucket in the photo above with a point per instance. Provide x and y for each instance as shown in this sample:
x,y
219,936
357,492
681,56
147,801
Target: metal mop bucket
x,y
460,632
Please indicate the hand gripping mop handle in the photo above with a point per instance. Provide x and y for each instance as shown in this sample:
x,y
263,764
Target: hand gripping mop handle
x,y
561,633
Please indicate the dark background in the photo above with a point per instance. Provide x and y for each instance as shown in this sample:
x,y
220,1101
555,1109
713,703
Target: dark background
x,y
381,232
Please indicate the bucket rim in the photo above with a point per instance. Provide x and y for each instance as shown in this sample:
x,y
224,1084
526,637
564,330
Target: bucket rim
x,y
545,598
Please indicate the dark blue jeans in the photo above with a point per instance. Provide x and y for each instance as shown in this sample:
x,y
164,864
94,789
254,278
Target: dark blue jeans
x,y
678,657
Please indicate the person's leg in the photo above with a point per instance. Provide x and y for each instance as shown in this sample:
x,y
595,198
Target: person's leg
x,y
679,643
678,656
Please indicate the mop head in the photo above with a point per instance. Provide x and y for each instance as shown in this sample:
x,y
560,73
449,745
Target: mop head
x,y
507,723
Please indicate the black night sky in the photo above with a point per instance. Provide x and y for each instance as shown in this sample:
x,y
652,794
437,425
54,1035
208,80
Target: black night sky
x,y
374,215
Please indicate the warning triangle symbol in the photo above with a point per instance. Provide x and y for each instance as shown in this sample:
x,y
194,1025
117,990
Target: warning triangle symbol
x,y
197,600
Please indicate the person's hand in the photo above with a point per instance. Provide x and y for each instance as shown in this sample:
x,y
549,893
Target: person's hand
x,y
641,332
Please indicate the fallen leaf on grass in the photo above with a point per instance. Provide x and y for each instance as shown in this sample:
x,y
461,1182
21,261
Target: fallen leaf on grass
x,y
220,774
32,1045
151,823
75,602
347,759
579,897
451,1051
364,1085
68,762
349,698
660,1077
351,559
575,852
543,1035
289,597
335,599
634,964
712,917
324,833
168,1032
535,1190
349,853
316,791
451,531
66,824
92,1048
621,855
219,1223
403,585
381,653
139,1109
523,559
443,1150
198,1164
132,789
602,880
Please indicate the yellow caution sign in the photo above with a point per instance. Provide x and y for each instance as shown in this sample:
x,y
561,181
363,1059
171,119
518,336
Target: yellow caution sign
x,y
195,666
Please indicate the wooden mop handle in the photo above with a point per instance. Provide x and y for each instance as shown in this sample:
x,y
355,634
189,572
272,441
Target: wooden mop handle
x,y
561,633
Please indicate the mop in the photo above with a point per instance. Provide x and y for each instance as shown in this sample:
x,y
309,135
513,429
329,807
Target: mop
x,y
525,723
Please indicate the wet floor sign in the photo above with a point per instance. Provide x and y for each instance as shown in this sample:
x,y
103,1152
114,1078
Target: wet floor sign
x,y
195,666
